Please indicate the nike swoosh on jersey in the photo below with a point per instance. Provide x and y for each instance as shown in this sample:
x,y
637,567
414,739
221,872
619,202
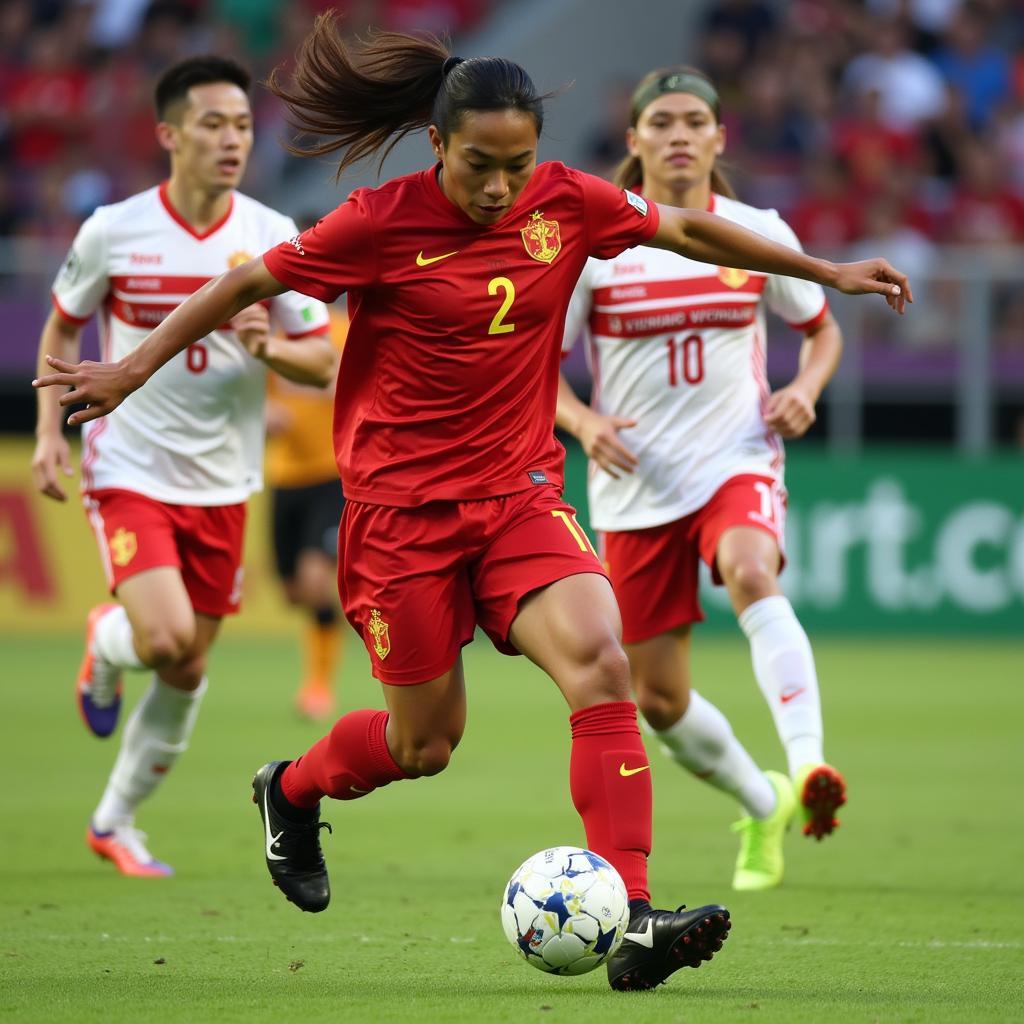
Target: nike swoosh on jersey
x,y
626,772
644,938
785,698
266,824
425,261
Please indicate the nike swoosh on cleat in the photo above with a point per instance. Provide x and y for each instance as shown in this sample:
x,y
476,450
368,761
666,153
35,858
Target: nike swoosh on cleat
x,y
425,261
626,772
644,938
266,824
785,698
361,792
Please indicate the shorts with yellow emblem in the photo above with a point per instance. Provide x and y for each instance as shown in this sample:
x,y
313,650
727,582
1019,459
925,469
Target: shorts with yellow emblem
x,y
416,582
136,533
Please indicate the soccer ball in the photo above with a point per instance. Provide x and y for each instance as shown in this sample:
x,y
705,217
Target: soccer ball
x,y
565,910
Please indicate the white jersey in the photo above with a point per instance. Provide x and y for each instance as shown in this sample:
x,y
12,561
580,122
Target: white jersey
x,y
193,435
679,346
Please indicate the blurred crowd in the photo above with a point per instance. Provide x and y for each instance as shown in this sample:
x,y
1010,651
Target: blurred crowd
x,y
76,118
857,118
874,126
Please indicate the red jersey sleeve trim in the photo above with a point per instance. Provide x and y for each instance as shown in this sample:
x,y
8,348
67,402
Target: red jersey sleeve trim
x,y
814,321
296,335
79,321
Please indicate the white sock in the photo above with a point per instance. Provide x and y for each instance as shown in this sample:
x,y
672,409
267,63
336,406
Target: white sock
x,y
784,668
113,642
154,737
703,742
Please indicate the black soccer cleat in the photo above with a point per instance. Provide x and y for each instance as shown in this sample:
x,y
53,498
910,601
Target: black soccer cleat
x,y
294,858
659,942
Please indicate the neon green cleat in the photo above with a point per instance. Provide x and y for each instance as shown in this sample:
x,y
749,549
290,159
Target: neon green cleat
x,y
759,864
821,791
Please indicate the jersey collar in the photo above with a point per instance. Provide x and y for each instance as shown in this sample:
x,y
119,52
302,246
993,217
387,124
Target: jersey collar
x,y
184,224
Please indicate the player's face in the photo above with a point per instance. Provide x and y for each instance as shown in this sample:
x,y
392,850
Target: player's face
x,y
487,161
677,140
212,141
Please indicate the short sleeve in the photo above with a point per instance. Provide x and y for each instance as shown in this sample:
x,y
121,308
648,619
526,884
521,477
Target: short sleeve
x,y
616,219
298,315
802,304
83,280
578,313
333,256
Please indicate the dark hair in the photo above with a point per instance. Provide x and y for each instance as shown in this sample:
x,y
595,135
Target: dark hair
x,y
359,95
176,81
630,172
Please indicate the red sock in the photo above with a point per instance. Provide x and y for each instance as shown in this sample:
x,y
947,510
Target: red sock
x,y
610,782
350,761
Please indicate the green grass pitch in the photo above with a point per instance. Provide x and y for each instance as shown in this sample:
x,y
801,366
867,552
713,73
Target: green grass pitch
x,y
911,912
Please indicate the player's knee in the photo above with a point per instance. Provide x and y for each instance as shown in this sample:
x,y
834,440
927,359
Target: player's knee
x,y
419,757
165,644
752,578
661,707
605,675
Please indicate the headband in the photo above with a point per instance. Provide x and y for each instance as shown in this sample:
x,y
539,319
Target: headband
x,y
680,82
449,64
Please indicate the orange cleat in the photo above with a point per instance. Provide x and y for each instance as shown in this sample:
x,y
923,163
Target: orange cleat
x,y
822,791
98,688
125,846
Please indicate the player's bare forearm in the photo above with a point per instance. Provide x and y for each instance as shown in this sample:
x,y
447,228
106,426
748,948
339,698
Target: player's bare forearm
x,y
711,239
820,353
310,360
569,410
63,340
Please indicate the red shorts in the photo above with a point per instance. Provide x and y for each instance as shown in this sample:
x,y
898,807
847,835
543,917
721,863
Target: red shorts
x,y
655,572
135,533
416,582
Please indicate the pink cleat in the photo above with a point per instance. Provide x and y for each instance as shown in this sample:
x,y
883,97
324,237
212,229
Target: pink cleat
x,y
125,845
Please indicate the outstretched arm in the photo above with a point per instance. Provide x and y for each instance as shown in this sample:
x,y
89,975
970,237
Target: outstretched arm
x,y
711,239
101,387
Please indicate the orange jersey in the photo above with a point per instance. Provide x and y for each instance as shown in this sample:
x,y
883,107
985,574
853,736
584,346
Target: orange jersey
x,y
300,451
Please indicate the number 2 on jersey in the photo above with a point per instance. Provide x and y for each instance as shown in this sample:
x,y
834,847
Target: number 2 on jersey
x,y
504,285
685,359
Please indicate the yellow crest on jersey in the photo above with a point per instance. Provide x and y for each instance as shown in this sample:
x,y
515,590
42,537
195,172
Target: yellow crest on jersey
x,y
733,278
236,259
541,238
378,630
123,546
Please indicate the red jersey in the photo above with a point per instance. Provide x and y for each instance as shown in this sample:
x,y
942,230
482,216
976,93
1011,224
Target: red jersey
x,y
450,372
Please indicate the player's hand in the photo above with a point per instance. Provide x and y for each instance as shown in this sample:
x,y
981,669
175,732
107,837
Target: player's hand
x,y
252,326
790,412
51,458
875,276
100,387
599,436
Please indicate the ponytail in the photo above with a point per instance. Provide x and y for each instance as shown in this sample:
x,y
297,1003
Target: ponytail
x,y
358,96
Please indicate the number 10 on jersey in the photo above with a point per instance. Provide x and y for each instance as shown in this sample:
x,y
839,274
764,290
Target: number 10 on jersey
x,y
685,359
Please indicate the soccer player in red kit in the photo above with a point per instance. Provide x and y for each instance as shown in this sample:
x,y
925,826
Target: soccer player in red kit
x,y
458,280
